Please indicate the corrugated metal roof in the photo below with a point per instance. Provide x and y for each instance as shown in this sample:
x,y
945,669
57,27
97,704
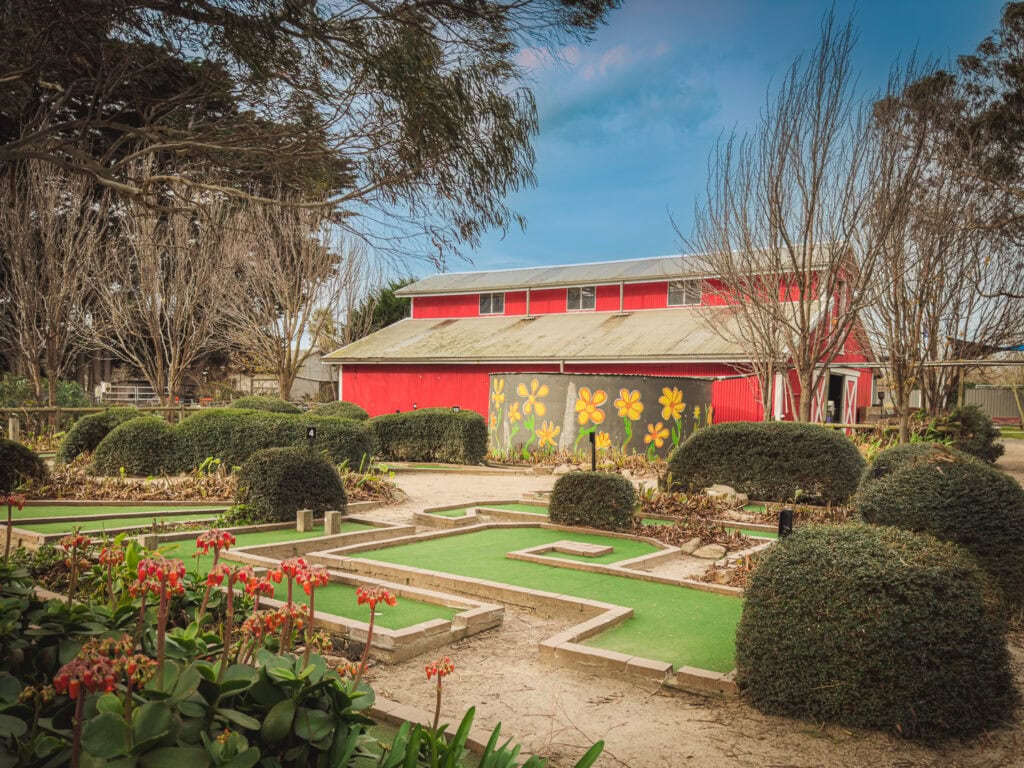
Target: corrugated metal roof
x,y
596,273
652,335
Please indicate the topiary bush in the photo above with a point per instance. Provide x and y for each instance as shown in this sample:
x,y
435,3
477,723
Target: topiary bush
x,y
87,433
274,483
878,628
431,434
953,497
769,461
593,500
264,403
18,464
234,435
973,432
341,409
143,446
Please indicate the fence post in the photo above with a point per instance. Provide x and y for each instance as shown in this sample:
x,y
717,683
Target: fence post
x,y
13,428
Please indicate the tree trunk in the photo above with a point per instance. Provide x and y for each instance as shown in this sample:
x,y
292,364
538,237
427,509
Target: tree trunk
x,y
806,395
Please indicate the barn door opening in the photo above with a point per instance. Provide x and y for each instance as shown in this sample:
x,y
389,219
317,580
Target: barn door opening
x,y
834,401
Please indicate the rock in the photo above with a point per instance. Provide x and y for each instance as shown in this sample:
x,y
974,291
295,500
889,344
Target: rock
x,y
563,469
540,469
690,546
727,495
710,552
722,576
626,474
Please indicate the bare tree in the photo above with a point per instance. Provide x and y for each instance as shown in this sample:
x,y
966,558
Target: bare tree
x,y
49,219
291,286
162,292
781,225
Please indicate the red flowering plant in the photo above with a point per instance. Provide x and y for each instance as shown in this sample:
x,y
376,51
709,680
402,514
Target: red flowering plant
x,y
227,575
163,579
371,596
290,568
218,541
75,545
310,578
111,557
439,669
13,500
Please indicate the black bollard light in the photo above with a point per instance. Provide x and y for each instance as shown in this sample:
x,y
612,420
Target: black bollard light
x,y
593,452
785,522
310,435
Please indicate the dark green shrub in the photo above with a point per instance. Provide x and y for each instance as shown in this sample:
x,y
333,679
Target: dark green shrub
x,y
341,409
957,498
891,459
274,483
265,403
143,446
877,628
18,464
593,500
973,432
431,434
232,435
770,461
89,431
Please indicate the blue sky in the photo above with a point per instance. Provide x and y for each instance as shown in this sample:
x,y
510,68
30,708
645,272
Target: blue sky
x,y
626,123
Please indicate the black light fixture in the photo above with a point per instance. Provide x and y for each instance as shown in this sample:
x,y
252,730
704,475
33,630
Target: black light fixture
x,y
310,435
593,451
414,406
456,409
785,522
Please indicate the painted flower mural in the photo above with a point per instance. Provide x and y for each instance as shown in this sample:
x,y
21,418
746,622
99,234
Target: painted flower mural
x,y
498,395
588,406
603,440
547,433
629,404
672,401
513,413
533,396
655,437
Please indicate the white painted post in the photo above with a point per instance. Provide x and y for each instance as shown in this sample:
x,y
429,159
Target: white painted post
x,y
332,522
304,520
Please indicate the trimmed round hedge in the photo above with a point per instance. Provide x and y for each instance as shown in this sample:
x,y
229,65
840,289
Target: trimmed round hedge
x,y
593,500
973,432
953,497
88,432
769,461
18,464
341,409
431,434
233,435
274,483
264,403
875,627
142,446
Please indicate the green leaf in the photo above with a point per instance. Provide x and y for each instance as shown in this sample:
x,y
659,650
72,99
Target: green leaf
x,y
12,726
151,721
246,759
278,722
105,735
240,719
591,756
187,684
313,724
108,702
175,757
10,688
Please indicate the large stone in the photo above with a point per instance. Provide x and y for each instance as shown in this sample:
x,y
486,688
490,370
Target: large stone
x,y
563,469
690,546
304,520
722,576
332,522
727,495
710,552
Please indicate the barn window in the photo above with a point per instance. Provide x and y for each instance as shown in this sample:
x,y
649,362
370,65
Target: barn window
x,y
584,297
492,303
684,293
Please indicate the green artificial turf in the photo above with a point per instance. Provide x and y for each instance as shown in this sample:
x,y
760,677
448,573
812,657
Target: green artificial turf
x,y
533,509
752,532
460,512
114,523
337,599
71,510
1013,434
674,624
758,508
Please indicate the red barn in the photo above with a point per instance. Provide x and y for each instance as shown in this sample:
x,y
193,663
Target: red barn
x,y
636,317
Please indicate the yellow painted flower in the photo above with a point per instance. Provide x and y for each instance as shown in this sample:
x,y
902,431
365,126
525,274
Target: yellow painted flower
x,y
629,404
603,441
656,433
494,421
498,395
533,395
696,414
672,400
588,407
547,434
513,413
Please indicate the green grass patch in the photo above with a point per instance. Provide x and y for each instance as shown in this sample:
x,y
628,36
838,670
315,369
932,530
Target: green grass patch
x,y
460,512
759,509
73,510
752,532
114,523
1012,434
533,509
675,624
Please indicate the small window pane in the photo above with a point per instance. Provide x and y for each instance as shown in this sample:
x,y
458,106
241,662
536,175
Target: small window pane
x,y
492,303
683,293
581,298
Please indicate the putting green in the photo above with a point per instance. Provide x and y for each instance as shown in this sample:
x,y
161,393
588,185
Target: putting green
x,y
74,510
533,509
674,624
754,533
460,512
337,599
115,523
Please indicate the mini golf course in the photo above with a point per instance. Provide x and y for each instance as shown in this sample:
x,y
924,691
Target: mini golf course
x,y
684,626
35,511
532,509
164,517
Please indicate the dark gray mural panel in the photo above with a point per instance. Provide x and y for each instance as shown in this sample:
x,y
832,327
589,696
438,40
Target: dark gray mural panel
x,y
551,412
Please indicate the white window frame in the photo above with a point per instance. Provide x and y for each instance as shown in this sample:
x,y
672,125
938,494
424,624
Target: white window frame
x,y
574,298
686,286
490,299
